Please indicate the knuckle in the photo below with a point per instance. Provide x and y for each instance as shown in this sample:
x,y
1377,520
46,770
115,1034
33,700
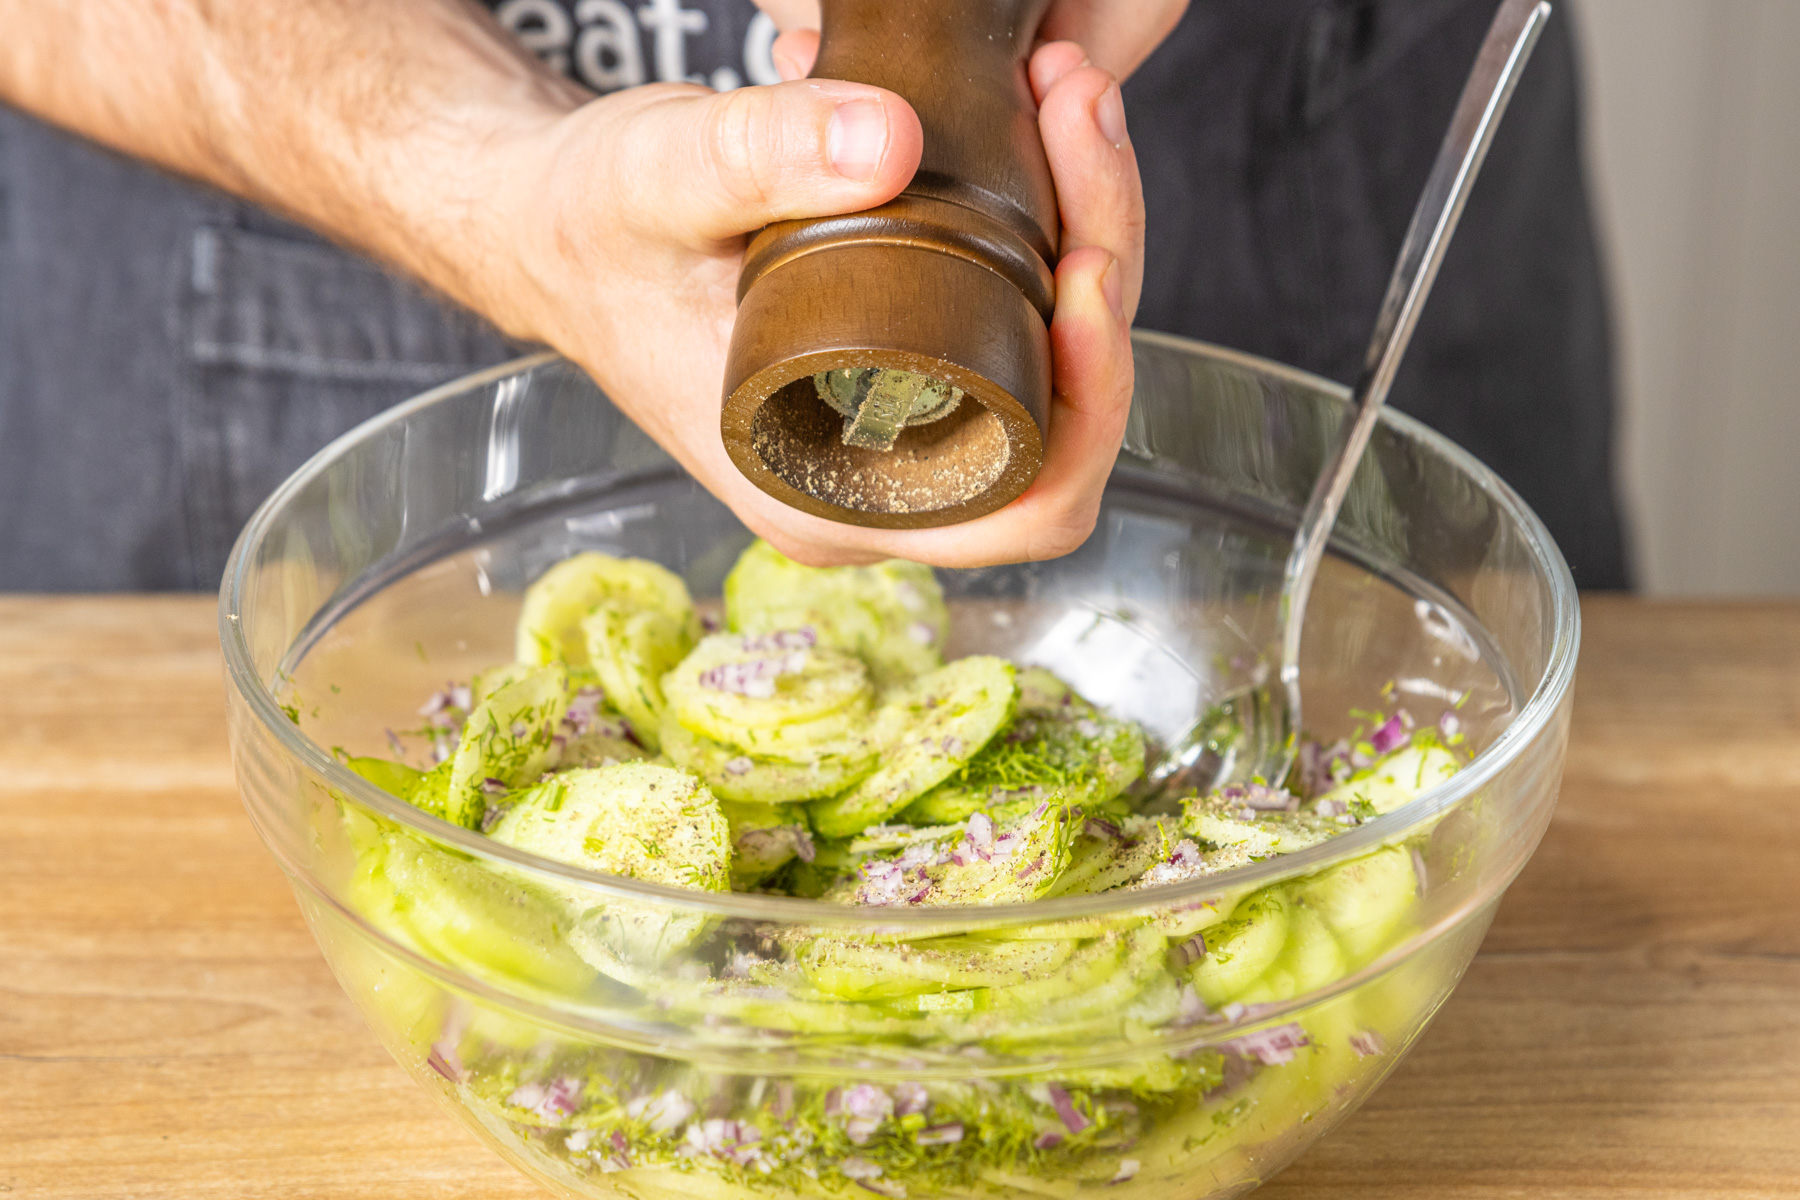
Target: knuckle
x,y
742,146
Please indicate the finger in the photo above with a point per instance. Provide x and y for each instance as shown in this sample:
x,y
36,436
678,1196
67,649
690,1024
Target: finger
x,y
1099,192
1049,63
791,14
714,166
1090,345
1118,36
795,52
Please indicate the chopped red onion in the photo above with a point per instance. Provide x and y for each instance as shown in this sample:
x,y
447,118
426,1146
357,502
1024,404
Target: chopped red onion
x,y
1047,1139
910,1098
803,844
939,1135
1258,797
734,1141
1389,737
1065,1108
1272,1047
494,787
1184,863
443,1060
1192,950
756,678
1128,1169
553,1101
1233,1012
519,730
867,1107
953,746
741,765
664,1112
882,882
859,1168
1101,827
1367,1043
782,640
1449,724
1190,1009
1029,868
921,633
394,743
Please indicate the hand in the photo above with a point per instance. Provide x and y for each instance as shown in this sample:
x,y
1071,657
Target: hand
x,y
1118,35
619,231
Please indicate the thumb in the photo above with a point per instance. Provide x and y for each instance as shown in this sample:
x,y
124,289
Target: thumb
x,y
721,165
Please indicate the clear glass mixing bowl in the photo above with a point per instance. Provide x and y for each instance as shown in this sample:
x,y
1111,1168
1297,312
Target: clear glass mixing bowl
x,y
395,559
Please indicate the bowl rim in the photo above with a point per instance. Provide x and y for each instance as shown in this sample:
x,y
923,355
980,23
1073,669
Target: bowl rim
x,y
1552,688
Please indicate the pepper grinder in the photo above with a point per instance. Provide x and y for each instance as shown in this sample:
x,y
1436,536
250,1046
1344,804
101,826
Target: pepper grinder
x,y
891,368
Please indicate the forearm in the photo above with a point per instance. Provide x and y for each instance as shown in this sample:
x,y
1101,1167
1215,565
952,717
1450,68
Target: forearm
x,y
367,121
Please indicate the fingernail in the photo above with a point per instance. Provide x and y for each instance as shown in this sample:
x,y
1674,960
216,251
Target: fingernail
x,y
1109,115
1112,286
857,139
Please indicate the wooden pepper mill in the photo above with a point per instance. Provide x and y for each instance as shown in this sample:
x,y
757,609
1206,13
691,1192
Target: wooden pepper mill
x,y
891,367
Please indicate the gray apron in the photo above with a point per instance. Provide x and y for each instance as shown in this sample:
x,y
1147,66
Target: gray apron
x,y
168,354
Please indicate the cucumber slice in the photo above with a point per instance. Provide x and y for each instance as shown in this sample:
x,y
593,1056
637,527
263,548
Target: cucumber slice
x,y
1110,854
1240,950
430,793
761,1006
1058,744
508,741
630,651
1363,901
980,864
396,779
777,695
1088,968
733,775
1395,780
891,615
486,683
550,621
1309,959
1224,821
764,839
638,820
861,970
472,917
599,739
1141,973
929,728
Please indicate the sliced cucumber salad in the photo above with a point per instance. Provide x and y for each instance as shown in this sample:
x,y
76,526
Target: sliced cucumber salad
x,y
824,746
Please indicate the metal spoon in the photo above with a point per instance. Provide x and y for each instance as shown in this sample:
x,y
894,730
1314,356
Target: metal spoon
x,y
1251,734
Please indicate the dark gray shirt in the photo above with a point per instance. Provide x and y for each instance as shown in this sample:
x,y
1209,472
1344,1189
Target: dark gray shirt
x,y
169,354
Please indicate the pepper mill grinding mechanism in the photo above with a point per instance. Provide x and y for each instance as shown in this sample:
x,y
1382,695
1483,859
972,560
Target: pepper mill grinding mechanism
x,y
891,367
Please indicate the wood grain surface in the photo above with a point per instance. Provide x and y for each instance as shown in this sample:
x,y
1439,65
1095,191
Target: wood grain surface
x,y
1631,1028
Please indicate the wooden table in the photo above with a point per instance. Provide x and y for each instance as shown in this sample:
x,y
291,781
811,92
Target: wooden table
x,y
1631,1028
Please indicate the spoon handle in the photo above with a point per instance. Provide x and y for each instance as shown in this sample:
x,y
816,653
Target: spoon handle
x,y
1497,68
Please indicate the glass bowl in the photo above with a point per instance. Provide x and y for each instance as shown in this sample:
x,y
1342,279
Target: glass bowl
x,y
394,562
